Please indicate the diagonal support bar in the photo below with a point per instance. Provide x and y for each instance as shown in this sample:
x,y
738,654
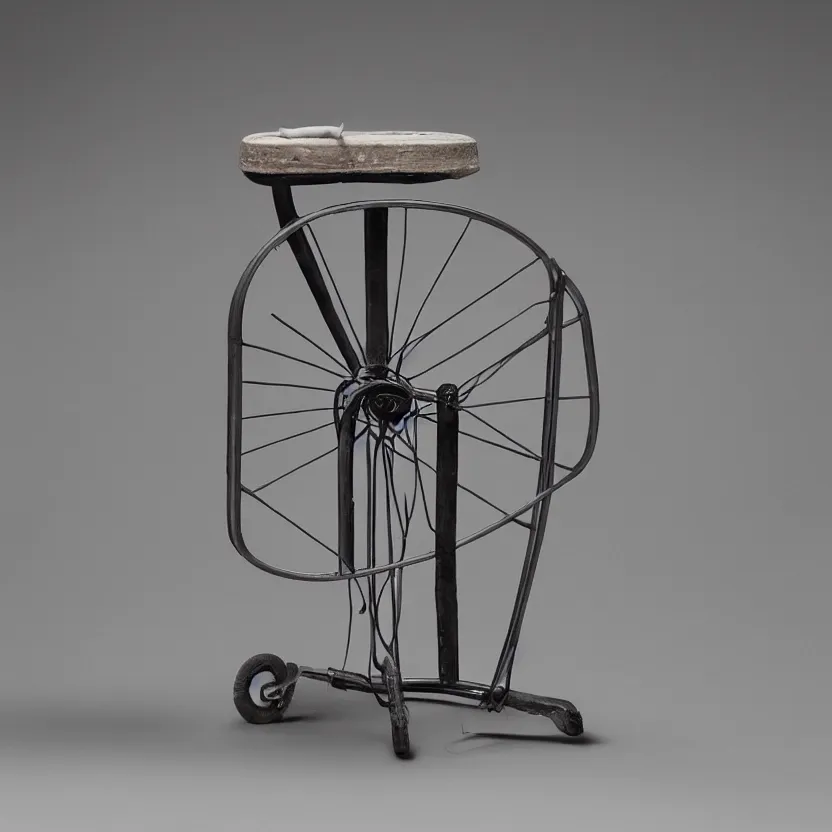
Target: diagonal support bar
x,y
286,213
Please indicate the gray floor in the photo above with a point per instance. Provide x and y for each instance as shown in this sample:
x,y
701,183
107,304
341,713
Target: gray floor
x,y
139,765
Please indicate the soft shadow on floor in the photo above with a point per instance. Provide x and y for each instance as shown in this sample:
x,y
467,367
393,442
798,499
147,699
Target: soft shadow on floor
x,y
328,732
557,739
478,741
133,727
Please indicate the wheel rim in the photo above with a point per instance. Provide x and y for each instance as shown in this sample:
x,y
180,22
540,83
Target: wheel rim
x,y
488,436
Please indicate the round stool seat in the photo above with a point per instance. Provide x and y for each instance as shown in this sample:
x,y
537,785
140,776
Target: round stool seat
x,y
389,156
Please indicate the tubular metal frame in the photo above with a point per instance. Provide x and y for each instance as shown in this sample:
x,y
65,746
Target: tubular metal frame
x,y
372,380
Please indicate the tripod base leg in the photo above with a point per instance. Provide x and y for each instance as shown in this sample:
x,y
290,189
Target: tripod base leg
x,y
564,714
398,710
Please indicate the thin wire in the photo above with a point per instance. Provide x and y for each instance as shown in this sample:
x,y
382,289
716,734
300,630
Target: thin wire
x,y
504,435
502,283
349,626
285,439
292,358
412,445
389,646
337,292
499,364
294,470
430,291
285,413
478,340
398,288
535,457
418,460
285,384
289,520
302,465
504,401
310,341
388,460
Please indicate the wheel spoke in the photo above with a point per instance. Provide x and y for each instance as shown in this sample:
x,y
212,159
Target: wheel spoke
x,y
398,288
294,470
467,306
505,436
286,438
478,340
515,401
310,341
480,378
337,291
293,358
302,465
287,412
525,455
283,384
504,401
419,461
289,520
432,287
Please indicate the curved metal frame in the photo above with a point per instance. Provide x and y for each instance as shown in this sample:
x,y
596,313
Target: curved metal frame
x,y
497,694
558,285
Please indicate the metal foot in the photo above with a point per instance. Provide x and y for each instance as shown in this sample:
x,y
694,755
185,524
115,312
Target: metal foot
x,y
564,714
398,710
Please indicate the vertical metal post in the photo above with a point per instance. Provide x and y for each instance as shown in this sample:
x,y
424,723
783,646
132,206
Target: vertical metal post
x,y
375,279
447,463
346,504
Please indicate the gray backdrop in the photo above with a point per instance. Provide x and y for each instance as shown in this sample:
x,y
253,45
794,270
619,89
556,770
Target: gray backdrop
x,y
674,158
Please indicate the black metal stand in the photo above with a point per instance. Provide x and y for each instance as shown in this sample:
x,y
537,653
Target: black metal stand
x,y
379,390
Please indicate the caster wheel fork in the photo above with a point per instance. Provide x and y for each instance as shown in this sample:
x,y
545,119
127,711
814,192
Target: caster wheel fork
x,y
255,676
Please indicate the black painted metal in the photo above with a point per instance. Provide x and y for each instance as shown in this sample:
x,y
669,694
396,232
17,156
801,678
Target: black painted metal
x,y
361,395
286,213
375,279
389,400
563,713
447,463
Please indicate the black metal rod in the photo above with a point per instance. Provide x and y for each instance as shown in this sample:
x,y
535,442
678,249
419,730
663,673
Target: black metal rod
x,y
447,466
346,447
375,278
286,213
346,504
562,712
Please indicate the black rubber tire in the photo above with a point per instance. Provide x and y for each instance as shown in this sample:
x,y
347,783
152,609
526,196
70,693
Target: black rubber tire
x,y
254,712
397,708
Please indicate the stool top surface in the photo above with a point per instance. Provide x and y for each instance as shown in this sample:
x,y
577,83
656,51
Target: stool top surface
x,y
368,156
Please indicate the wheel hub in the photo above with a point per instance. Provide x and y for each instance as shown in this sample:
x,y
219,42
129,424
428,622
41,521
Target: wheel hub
x,y
391,405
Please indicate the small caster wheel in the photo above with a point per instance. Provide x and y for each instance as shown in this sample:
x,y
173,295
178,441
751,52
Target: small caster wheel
x,y
398,709
262,669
